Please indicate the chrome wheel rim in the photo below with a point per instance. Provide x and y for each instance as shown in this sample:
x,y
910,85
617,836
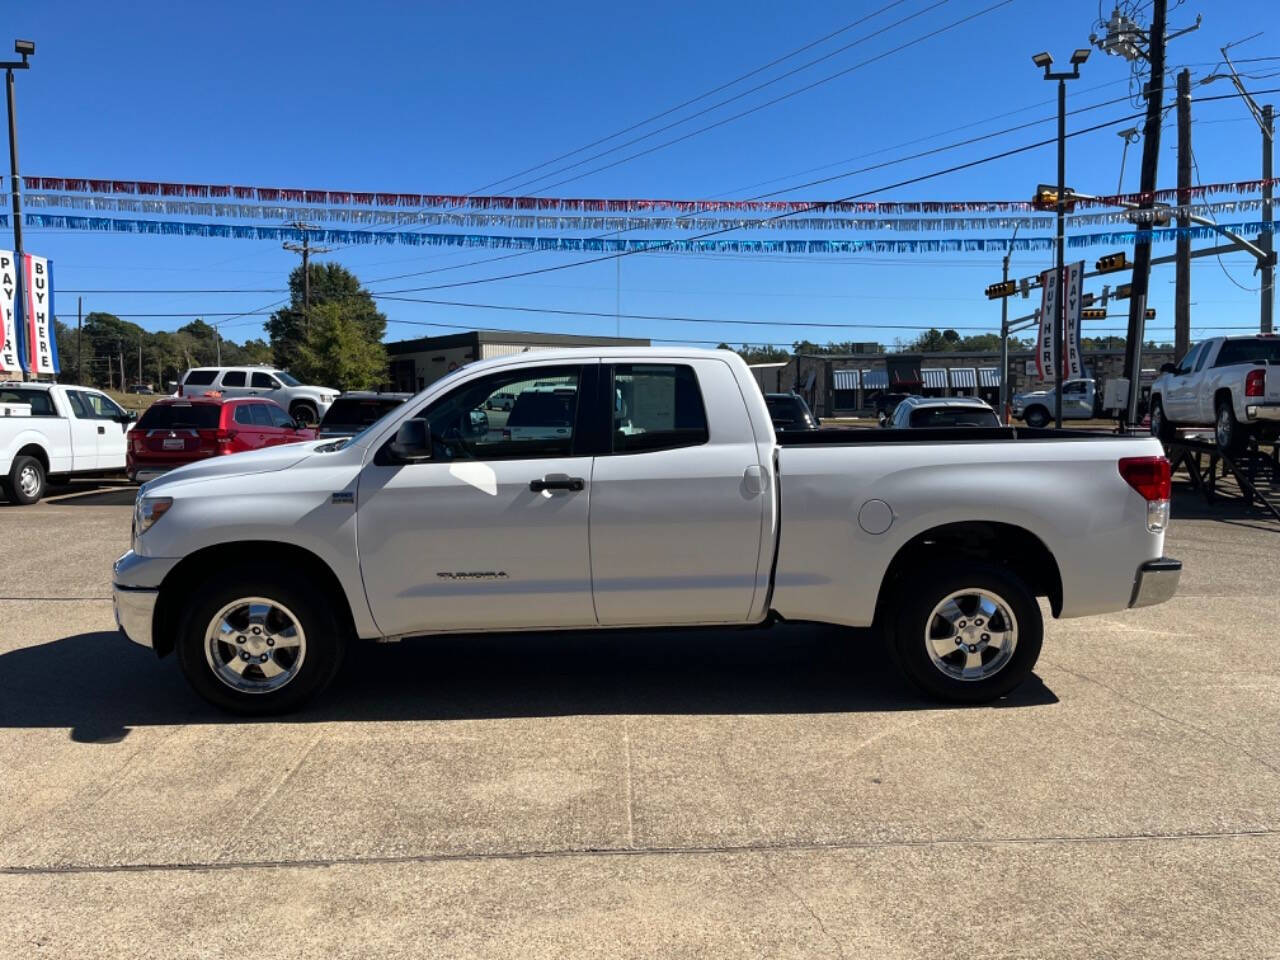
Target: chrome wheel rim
x,y
971,634
1224,426
28,481
1156,413
255,645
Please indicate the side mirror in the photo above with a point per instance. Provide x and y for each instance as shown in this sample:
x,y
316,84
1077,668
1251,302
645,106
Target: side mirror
x,y
127,417
1168,368
413,442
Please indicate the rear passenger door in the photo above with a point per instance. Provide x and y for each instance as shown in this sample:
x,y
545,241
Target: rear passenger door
x,y
677,504
234,383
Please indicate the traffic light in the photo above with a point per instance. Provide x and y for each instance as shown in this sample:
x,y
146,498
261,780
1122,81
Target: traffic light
x,y
1046,198
1111,262
1086,299
1122,291
998,290
1151,313
1094,313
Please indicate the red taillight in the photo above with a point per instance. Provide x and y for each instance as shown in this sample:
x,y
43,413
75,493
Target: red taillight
x,y
219,439
1150,476
1255,383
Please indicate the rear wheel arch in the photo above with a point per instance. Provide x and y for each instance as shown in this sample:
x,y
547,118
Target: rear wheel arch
x,y
178,584
37,452
1005,545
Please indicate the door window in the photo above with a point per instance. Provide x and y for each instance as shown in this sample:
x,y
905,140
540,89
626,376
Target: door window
x,y
656,407
278,417
540,422
1076,389
264,381
244,415
92,406
233,378
260,416
1204,355
1189,361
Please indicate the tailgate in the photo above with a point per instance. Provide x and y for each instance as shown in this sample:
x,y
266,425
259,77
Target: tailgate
x,y
1273,383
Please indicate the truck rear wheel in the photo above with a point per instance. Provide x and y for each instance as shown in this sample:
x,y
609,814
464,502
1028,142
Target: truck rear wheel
x,y
1227,430
27,482
966,632
259,642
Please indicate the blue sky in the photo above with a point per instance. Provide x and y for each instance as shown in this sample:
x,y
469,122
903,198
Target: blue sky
x,y
449,97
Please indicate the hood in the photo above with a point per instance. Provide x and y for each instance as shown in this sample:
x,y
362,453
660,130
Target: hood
x,y
235,465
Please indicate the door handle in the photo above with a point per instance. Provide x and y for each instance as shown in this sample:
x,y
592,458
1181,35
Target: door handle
x,y
102,430
557,483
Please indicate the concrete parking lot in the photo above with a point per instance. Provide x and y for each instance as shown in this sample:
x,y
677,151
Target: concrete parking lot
x,y
736,794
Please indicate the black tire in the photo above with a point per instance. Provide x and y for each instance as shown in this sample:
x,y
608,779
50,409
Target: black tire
x,y
909,625
1161,428
1227,430
27,482
325,640
305,413
1036,417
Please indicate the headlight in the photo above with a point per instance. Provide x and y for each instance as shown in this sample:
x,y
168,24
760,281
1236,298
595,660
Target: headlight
x,y
147,511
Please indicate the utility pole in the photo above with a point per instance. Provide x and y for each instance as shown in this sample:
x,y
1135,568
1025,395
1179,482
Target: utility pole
x,y
120,350
1269,225
79,348
140,375
1142,252
1265,118
1182,269
306,250
25,48
217,338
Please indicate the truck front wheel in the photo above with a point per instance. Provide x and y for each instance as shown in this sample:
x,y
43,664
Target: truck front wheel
x,y
966,632
259,641
1037,417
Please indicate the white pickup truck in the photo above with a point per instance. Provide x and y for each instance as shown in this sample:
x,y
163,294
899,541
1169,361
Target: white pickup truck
x,y
1039,407
59,431
1229,383
668,501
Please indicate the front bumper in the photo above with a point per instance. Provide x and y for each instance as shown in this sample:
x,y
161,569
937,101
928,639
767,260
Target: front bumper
x,y
135,610
1157,581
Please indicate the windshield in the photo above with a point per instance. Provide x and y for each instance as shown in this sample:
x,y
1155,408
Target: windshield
x,y
954,417
1252,350
787,409
166,416
288,380
355,413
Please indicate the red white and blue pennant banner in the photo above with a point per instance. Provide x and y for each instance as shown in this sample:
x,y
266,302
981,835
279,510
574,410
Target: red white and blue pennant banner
x,y
152,188
618,245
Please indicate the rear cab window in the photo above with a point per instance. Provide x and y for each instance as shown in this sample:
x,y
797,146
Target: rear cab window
x,y
656,406
953,417
40,401
1252,350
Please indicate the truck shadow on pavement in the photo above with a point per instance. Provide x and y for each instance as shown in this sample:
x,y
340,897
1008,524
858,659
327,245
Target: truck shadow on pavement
x,y
99,685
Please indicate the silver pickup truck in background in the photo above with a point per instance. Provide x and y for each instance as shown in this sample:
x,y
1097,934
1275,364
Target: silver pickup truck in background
x,y
656,494
1229,383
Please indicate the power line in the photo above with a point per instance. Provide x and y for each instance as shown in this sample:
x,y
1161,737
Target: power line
x,y
768,103
703,96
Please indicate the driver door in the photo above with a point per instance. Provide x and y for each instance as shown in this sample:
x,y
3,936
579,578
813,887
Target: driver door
x,y
1180,400
491,533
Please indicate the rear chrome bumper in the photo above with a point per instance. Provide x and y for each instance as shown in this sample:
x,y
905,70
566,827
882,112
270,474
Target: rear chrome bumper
x,y
1157,581
144,474
1263,411
134,609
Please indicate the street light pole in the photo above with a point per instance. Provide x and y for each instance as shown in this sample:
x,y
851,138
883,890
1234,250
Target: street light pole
x,y
25,48
1004,335
1059,353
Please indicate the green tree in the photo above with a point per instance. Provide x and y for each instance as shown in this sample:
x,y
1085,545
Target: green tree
x,y
339,353
758,354
331,284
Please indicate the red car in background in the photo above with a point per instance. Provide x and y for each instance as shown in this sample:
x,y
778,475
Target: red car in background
x,y
177,431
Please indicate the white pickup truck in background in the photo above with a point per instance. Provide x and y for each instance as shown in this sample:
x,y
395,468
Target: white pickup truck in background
x,y
63,431
1229,383
1037,408
668,501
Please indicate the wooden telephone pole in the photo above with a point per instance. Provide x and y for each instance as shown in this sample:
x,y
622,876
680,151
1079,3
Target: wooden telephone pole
x,y
306,250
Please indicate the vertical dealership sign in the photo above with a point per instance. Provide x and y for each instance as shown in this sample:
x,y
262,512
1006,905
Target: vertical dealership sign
x,y
27,339
9,362
1075,297
1046,349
